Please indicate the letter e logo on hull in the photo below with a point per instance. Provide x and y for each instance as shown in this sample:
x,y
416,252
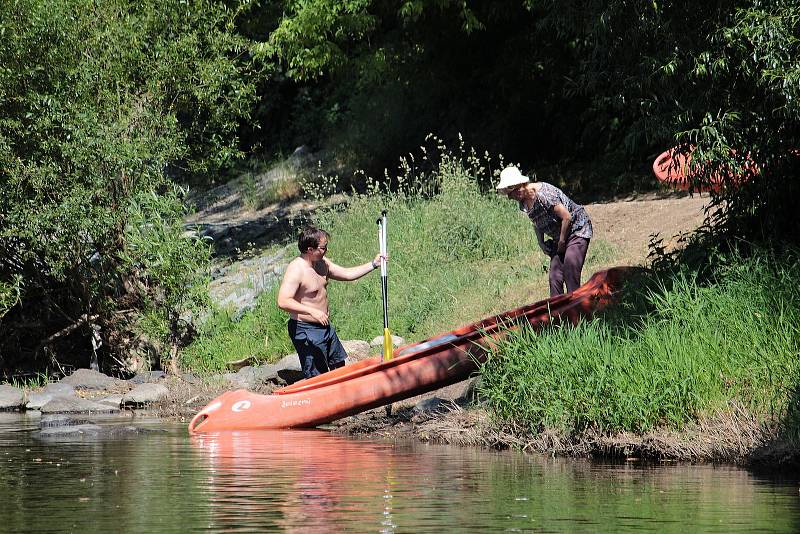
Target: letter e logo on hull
x,y
241,406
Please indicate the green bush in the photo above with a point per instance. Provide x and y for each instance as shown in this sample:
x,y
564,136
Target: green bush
x,y
260,334
101,105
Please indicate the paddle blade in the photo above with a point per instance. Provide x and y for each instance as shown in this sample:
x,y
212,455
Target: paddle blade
x,y
387,345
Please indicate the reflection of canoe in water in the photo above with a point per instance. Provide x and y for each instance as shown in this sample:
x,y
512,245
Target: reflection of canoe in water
x,y
255,452
415,369
673,168
300,480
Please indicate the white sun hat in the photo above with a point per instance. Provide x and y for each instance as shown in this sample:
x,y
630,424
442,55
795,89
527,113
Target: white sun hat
x,y
511,177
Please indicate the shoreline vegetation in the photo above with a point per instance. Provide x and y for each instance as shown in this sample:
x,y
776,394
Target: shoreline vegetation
x,y
697,362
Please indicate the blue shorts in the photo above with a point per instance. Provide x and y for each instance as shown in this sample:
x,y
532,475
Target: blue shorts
x,y
317,346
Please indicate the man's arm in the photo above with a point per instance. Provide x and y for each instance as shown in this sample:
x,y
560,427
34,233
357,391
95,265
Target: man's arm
x,y
287,292
348,274
566,224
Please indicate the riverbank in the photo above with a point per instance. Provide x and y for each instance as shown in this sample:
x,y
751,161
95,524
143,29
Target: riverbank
x,y
84,403
730,422
457,416
736,437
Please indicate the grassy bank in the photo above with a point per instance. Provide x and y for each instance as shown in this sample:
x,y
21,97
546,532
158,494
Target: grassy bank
x,y
730,343
456,255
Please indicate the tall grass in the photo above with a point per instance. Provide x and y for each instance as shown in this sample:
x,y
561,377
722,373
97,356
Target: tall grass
x,y
735,340
456,255
259,334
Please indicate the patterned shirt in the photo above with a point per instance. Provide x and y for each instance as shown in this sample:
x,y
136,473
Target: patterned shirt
x,y
542,213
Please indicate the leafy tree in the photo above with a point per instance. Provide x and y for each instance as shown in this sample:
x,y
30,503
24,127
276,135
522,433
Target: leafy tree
x,y
101,103
164,260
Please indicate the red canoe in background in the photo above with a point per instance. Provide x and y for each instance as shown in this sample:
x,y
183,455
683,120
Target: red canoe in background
x,y
414,369
672,167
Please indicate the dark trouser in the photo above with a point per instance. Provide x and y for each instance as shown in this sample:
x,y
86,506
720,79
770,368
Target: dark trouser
x,y
318,347
568,266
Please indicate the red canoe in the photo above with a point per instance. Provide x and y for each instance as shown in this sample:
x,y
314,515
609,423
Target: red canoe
x,y
415,369
672,168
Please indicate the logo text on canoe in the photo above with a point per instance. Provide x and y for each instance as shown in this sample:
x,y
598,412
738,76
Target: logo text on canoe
x,y
298,402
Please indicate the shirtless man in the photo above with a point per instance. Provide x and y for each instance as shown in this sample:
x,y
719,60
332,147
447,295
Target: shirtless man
x,y
304,295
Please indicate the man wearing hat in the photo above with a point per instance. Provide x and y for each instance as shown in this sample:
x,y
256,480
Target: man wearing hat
x,y
555,215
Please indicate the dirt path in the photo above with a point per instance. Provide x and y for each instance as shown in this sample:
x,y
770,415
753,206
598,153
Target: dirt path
x,y
629,224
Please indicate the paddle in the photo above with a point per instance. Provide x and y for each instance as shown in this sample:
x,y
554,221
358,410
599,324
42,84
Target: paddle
x,y
387,335
382,241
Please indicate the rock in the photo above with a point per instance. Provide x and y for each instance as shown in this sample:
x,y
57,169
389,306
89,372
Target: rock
x,y
356,350
51,390
145,394
111,400
289,369
434,405
62,404
397,341
290,362
92,430
37,400
239,364
59,419
236,380
58,388
251,377
11,398
93,380
147,376
71,430
192,379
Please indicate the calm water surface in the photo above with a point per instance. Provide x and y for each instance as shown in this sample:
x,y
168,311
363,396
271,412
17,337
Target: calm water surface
x,y
312,481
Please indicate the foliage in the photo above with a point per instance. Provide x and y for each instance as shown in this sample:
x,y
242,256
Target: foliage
x,y
259,334
724,84
102,103
702,349
311,34
167,265
604,84
9,295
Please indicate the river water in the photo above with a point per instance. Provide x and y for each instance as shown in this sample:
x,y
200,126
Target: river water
x,y
313,481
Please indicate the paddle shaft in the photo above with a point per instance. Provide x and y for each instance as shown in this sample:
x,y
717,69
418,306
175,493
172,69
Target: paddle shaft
x,y
383,243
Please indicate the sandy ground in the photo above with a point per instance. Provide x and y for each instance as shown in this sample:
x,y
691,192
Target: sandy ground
x,y
629,224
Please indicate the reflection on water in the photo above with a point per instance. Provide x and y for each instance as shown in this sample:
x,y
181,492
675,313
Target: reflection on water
x,y
312,481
